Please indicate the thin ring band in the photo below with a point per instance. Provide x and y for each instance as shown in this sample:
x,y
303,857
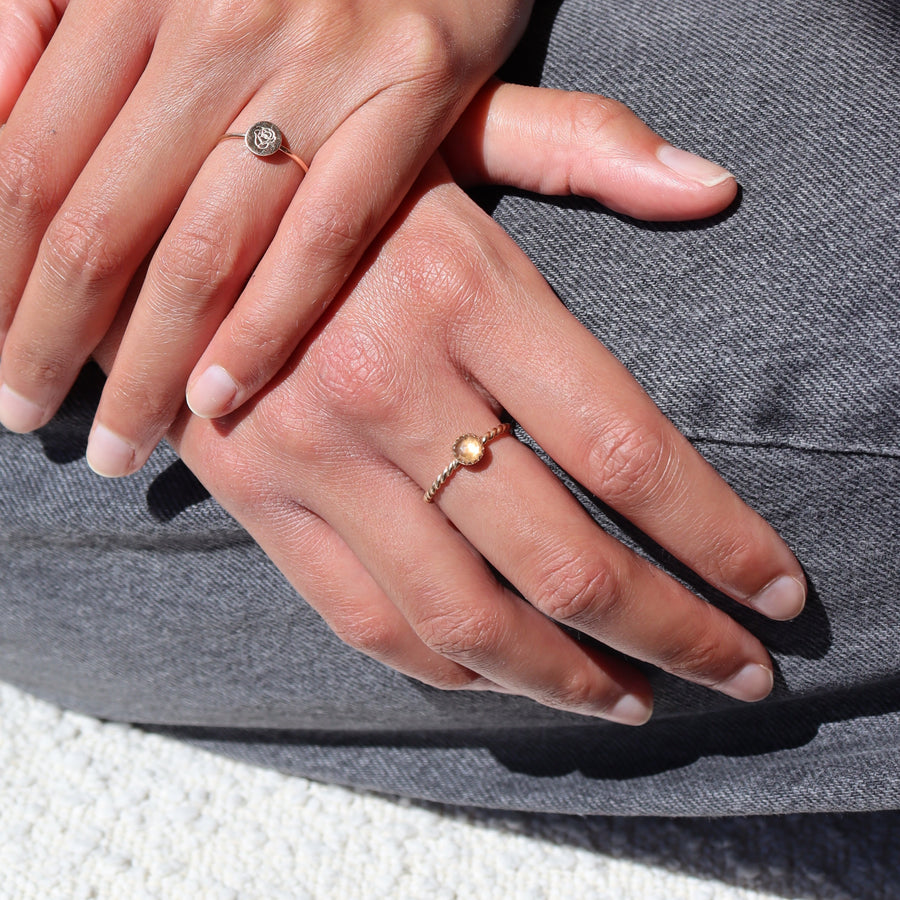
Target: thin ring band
x,y
467,450
266,139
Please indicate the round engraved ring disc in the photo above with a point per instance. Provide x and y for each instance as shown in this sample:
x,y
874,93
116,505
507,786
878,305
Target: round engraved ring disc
x,y
264,139
468,450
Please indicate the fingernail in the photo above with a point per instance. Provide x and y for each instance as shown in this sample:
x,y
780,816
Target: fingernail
x,y
690,166
212,393
782,598
629,710
752,683
17,413
108,455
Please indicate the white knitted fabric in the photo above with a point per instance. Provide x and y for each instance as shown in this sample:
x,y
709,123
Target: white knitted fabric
x,y
93,810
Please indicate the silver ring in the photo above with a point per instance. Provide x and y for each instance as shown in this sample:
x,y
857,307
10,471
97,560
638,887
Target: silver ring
x,y
265,139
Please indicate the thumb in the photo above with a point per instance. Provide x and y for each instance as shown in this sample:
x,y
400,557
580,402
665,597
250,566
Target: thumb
x,y
27,26
559,143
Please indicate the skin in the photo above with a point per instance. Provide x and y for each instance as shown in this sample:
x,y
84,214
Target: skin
x,y
245,253
326,466
112,149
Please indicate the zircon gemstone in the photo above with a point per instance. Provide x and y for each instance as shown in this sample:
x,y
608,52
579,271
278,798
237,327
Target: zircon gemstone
x,y
468,450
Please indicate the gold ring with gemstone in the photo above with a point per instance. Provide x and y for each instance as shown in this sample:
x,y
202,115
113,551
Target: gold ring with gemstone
x,y
266,139
468,450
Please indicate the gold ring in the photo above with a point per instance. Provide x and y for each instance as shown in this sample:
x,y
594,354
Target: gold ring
x,y
266,139
467,450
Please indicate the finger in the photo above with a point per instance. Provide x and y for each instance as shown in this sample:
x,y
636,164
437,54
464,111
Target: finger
x,y
28,26
560,142
115,213
584,408
354,185
545,544
197,271
457,608
44,147
306,549
328,575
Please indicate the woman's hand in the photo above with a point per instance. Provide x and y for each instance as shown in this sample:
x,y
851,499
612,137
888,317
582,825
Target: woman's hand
x,y
116,133
445,325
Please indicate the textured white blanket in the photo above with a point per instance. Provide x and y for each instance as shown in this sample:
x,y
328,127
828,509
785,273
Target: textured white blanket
x,y
93,810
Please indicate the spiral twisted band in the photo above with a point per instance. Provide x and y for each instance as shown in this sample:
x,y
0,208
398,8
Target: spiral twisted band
x,y
467,450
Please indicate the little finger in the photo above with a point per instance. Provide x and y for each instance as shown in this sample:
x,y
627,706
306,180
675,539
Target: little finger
x,y
329,576
452,601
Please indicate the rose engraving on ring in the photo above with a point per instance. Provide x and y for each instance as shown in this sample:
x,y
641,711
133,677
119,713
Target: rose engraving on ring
x,y
264,139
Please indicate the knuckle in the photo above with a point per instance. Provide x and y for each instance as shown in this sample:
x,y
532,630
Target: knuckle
x,y
239,22
138,388
700,654
446,272
333,229
630,462
445,262
461,634
587,115
77,249
734,558
265,346
576,588
372,635
579,691
425,49
26,201
38,363
355,375
451,678
195,264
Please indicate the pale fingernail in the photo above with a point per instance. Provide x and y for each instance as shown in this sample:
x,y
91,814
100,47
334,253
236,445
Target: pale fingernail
x,y
690,166
782,598
212,393
752,683
17,413
108,455
629,710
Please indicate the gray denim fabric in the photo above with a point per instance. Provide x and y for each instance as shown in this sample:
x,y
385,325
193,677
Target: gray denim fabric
x,y
768,336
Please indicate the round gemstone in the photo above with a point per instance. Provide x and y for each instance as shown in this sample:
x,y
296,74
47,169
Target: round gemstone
x,y
468,450
264,139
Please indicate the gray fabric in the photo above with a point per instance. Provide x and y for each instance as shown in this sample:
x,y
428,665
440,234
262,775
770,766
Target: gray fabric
x,y
768,336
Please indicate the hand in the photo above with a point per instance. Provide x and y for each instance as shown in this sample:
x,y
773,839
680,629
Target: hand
x,y
445,325
81,249
112,148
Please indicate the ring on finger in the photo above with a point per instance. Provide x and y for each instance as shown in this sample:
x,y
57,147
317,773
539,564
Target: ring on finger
x,y
468,450
265,139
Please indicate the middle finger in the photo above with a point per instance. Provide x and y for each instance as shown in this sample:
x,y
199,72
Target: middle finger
x,y
116,211
524,521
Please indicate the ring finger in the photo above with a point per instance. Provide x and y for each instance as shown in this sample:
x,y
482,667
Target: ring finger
x,y
228,218
545,544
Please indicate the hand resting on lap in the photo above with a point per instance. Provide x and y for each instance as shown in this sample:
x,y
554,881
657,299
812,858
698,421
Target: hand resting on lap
x,y
112,153
444,326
